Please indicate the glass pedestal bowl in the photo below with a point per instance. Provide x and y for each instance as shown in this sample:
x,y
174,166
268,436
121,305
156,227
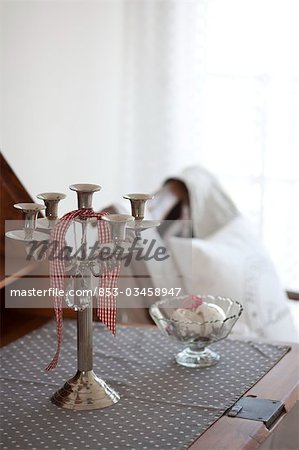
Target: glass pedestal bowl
x,y
196,321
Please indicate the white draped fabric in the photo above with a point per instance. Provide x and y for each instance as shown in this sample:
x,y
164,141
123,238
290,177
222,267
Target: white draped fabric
x,y
217,83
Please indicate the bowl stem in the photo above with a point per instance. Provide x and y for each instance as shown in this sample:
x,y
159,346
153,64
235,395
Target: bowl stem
x,y
197,357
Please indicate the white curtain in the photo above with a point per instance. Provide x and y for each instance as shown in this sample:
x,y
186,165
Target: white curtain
x,y
217,83
144,88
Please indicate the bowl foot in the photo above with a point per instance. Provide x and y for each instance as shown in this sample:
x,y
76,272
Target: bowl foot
x,y
197,358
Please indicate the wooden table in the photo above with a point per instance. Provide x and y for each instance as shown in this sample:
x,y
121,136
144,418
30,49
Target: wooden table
x,y
280,383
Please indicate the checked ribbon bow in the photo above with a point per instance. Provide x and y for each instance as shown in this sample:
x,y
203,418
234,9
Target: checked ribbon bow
x,y
106,305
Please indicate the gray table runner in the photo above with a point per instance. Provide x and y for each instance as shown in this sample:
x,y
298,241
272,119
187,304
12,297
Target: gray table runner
x,y
163,405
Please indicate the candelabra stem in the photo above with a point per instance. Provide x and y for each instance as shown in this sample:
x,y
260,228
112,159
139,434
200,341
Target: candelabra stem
x,y
85,390
84,344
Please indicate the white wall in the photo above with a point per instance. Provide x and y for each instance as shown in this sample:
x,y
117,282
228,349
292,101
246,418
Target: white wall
x,y
60,94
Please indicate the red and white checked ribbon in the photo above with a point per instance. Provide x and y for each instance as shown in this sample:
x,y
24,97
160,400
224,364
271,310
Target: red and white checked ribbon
x,y
106,305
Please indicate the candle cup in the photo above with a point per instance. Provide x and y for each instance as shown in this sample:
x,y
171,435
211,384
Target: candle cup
x,y
31,211
117,224
138,202
85,193
51,200
29,232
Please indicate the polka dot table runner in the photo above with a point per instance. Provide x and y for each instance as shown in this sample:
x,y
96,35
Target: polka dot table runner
x,y
163,405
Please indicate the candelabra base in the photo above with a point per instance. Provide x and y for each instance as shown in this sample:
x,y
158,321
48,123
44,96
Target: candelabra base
x,y
85,391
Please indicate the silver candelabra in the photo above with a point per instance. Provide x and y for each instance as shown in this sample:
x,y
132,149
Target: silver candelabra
x,y
84,391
